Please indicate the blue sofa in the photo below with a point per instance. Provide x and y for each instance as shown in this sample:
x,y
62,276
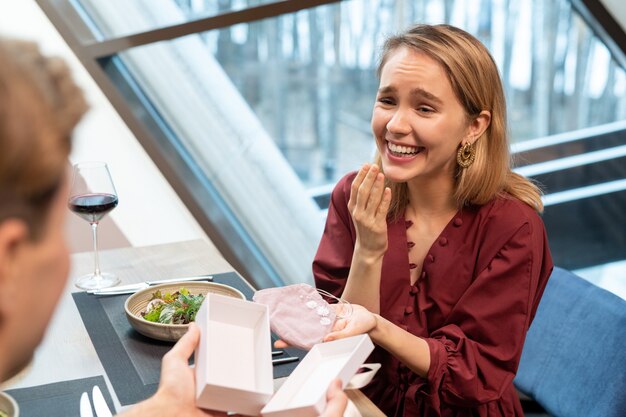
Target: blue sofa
x,y
574,360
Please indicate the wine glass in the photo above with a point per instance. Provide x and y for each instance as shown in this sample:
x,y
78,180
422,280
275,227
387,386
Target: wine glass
x,y
92,196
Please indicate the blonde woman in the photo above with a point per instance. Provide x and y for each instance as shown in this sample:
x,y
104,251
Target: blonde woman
x,y
438,241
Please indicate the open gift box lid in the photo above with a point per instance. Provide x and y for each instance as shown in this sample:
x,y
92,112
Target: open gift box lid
x,y
303,394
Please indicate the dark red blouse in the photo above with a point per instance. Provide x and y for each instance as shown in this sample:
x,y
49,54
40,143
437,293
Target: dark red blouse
x,y
479,289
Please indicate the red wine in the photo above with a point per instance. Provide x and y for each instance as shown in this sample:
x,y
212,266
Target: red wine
x,y
93,207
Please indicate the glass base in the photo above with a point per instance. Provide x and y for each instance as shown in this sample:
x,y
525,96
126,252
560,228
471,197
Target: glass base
x,y
92,282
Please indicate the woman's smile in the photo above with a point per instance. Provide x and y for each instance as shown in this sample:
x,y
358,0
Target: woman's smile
x,y
403,153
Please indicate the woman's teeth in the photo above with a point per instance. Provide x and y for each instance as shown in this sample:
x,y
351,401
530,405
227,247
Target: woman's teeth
x,y
403,150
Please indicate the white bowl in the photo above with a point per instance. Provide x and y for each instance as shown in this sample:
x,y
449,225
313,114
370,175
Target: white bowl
x,y
9,405
136,304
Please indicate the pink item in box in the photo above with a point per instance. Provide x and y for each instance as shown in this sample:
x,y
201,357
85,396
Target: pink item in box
x,y
298,314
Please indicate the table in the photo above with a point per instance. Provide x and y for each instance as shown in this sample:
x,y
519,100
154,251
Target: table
x,y
67,353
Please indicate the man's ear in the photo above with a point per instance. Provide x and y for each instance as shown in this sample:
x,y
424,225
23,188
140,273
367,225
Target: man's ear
x,y
13,235
478,126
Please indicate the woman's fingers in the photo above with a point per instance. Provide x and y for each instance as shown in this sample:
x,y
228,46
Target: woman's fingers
x,y
367,191
369,203
339,325
279,344
338,334
356,183
385,202
360,321
375,195
339,331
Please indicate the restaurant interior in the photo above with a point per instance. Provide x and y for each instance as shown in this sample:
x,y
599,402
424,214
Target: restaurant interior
x,y
226,124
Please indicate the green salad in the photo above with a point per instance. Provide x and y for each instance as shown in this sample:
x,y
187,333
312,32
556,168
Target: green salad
x,y
179,307
3,414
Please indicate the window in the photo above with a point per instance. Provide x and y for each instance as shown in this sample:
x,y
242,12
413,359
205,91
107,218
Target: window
x,y
267,104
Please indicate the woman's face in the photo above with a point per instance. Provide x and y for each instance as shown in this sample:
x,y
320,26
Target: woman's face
x,y
417,121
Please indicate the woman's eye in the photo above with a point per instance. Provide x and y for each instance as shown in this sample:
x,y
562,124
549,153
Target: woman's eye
x,y
385,100
425,109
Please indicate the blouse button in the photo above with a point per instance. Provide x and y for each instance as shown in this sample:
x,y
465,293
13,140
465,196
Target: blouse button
x,y
431,258
414,290
423,274
458,222
408,310
443,241
412,266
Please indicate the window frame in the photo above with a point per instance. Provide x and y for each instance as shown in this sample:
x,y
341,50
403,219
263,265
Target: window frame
x,y
100,59
220,224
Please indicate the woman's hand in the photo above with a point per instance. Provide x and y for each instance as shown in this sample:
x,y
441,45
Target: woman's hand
x,y
359,322
368,205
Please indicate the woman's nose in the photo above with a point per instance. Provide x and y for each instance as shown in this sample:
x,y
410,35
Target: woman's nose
x,y
399,123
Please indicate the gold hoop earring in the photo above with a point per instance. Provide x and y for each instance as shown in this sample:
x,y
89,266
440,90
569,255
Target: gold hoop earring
x,y
466,155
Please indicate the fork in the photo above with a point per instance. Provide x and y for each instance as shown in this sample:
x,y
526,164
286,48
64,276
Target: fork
x,y
99,404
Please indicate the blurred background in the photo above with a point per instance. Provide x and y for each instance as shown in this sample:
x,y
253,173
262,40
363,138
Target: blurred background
x,y
231,120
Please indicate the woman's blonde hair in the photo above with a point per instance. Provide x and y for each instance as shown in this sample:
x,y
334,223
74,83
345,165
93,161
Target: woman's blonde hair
x,y
476,83
39,107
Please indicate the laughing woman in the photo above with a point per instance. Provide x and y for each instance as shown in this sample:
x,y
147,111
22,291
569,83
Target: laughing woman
x,y
439,241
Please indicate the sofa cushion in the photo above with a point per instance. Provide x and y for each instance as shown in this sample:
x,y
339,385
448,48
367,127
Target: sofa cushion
x,y
574,358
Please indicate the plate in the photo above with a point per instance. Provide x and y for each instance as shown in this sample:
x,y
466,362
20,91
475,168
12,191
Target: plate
x,y
137,303
8,405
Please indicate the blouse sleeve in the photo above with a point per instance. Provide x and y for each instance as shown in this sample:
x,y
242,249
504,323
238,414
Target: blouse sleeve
x,y
475,356
331,264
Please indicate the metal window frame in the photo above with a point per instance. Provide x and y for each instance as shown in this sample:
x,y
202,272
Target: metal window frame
x,y
222,227
99,57
605,27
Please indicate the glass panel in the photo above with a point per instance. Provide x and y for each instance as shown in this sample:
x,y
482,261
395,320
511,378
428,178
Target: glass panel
x,y
155,14
220,136
273,107
310,76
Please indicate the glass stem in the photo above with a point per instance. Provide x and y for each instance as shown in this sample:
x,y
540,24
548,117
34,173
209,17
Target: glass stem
x,y
96,261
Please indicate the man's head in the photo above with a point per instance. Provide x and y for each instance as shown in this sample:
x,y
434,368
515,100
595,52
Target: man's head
x,y
39,107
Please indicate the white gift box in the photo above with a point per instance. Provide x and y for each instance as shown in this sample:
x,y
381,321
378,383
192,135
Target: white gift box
x,y
233,362
303,394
